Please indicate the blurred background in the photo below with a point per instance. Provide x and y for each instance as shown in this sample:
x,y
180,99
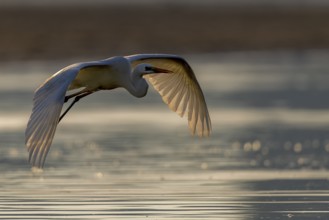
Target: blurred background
x,y
39,30
263,67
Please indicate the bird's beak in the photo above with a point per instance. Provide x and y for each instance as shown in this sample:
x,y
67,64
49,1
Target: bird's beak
x,y
160,70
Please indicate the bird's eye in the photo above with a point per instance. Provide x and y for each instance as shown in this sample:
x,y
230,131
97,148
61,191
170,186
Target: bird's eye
x,y
148,68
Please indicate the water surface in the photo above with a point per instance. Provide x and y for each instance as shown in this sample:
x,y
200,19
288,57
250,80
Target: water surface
x,y
118,157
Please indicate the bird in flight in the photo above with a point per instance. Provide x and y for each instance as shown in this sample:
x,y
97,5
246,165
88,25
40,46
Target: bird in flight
x,y
170,75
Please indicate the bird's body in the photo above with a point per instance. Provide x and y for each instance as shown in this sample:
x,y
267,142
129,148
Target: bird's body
x,y
100,79
170,75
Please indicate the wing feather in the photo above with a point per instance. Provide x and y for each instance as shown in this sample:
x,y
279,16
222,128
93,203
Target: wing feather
x,y
191,109
177,95
180,90
175,90
185,101
47,105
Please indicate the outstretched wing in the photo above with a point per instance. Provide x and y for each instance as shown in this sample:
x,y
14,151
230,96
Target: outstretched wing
x,y
180,90
48,102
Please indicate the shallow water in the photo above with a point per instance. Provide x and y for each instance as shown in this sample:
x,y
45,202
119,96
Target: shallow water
x,y
117,157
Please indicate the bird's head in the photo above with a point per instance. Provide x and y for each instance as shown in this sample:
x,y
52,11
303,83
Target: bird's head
x,y
146,68
138,80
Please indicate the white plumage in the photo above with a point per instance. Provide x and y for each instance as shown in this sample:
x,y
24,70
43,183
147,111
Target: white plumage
x,y
170,75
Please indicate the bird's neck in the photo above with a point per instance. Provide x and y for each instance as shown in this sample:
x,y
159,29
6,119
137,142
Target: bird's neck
x,y
138,85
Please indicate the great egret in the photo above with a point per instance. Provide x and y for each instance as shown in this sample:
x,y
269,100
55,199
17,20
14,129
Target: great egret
x,y
170,75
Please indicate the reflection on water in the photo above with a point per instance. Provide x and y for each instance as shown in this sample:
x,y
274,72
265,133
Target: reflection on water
x,y
118,157
104,195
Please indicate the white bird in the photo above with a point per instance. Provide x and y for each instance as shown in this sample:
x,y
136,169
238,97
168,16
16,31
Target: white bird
x,y
170,75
